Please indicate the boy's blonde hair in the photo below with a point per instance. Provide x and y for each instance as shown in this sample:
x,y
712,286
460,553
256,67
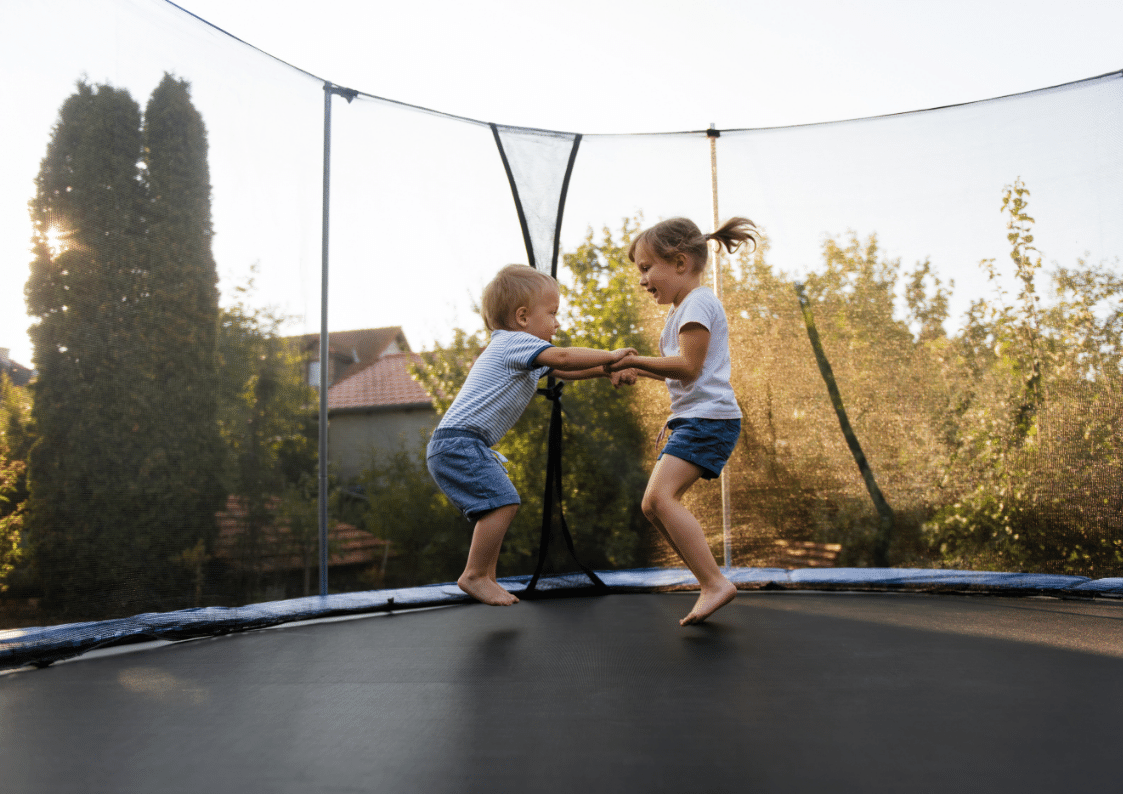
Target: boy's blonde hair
x,y
670,238
512,287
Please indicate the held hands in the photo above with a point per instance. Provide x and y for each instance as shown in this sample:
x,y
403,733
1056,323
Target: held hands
x,y
621,361
619,354
618,370
626,377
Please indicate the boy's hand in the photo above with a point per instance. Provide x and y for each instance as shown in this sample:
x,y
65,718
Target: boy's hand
x,y
622,353
627,377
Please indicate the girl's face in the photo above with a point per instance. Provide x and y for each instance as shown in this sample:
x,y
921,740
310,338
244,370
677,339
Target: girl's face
x,y
541,317
668,282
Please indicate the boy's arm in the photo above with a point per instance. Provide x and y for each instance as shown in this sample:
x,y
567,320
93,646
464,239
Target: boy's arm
x,y
568,361
581,374
626,377
693,342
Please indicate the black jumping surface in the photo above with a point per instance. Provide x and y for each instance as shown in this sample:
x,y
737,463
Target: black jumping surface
x,y
778,692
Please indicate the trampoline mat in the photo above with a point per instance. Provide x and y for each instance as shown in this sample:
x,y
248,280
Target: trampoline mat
x,y
793,691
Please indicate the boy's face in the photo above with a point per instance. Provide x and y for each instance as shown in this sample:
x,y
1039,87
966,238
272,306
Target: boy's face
x,y
541,317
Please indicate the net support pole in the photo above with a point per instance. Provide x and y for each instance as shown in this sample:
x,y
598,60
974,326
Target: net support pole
x,y
322,498
727,541
324,360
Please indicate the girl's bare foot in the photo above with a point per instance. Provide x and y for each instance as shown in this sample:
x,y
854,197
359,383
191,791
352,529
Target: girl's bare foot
x,y
485,590
710,600
502,589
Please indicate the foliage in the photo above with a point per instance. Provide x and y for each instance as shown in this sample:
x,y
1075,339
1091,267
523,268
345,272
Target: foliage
x,y
297,518
267,419
12,473
794,477
123,292
85,296
16,433
1036,452
428,537
180,319
15,439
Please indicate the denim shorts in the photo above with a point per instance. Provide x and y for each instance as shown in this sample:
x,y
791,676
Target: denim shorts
x,y
707,443
469,473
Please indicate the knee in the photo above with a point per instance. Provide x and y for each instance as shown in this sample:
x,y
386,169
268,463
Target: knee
x,y
651,506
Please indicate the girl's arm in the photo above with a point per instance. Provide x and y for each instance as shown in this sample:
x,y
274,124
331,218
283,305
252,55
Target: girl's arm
x,y
693,342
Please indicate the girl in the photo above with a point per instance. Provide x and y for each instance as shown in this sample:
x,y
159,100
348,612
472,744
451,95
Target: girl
x,y
694,362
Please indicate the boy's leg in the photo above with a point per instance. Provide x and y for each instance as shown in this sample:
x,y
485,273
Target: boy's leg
x,y
478,579
662,504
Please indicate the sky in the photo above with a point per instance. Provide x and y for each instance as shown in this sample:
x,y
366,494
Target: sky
x,y
589,66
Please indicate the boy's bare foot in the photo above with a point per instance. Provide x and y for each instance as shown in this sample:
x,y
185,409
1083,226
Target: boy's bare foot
x,y
710,601
485,590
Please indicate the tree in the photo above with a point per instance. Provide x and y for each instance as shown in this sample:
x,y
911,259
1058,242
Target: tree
x,y
180,320
84,292
794,477
1036,459
11,514
268,423
14,442
122,291
428,537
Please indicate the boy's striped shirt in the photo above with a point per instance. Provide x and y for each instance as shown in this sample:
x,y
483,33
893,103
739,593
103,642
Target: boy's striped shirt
x,y
500,385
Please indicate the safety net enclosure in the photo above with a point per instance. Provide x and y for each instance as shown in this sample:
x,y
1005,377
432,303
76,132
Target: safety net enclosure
x,y
958,266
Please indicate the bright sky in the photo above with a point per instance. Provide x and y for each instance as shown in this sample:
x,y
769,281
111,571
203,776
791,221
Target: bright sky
x,y
590,66
667,65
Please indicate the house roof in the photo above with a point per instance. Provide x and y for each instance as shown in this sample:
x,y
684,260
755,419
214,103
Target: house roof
x,y
367,344
381,383
349,544
17,373
370,376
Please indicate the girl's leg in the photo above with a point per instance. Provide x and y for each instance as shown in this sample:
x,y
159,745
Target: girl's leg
x,y
662,504
478,579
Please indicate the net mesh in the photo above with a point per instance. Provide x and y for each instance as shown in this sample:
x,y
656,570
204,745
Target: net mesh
x,y
960,264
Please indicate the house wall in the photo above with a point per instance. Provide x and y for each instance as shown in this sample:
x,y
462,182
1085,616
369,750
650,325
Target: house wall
x,y
352,436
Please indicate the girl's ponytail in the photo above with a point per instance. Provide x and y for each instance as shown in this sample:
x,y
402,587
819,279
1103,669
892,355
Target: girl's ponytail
x,y
681,237
734,232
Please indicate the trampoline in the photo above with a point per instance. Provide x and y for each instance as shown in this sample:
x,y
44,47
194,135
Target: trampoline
x,y
781,690
865,679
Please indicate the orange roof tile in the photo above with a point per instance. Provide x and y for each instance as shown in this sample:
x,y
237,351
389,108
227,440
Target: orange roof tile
x,y
349,545
381,383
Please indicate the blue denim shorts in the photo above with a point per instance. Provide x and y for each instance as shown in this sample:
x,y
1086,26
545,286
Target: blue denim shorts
x,y
707,443
469,473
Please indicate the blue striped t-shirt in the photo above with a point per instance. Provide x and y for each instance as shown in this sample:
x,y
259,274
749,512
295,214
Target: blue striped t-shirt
x,y
499,386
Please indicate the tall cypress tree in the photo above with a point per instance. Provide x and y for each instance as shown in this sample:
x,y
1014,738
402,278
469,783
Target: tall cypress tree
x,y
181,321
84,294
124,476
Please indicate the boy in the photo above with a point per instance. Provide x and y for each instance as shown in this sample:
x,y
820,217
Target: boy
x,y
520,308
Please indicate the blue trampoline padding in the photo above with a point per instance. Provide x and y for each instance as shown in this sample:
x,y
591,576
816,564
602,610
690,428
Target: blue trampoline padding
x,y
1104,586
45,645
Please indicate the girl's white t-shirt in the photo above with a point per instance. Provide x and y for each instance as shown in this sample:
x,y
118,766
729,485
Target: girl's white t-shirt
x,y
710,396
